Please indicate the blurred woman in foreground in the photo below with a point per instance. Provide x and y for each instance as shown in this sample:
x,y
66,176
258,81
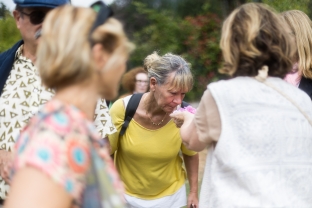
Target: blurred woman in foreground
x,y
258,127
55,152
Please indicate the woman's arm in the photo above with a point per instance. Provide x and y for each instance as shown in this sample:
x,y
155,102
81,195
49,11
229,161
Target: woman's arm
x,y
32,188
189,134
109,148
188,131
117,113
202,129
191,165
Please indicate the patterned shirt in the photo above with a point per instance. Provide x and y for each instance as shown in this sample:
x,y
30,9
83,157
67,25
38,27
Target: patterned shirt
x,y
57,142
21,98
102,119
23,95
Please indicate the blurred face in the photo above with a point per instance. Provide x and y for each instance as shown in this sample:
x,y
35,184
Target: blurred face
x,y
168,99
110,78
29,21
141,83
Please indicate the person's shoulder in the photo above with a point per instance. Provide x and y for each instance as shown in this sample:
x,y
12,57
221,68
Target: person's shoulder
x,y
294,94
11,50
306,86
124,95
7,57
118,104
226,83
117,111
62,119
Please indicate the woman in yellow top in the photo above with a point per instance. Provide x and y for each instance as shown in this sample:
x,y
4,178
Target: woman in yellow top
x,y
148,157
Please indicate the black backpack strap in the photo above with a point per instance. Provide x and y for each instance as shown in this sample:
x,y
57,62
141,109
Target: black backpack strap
x,y
130,111
107,103
184,104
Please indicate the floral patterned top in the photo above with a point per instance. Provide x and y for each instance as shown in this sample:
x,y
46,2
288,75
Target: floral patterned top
x,y
57,141
23,95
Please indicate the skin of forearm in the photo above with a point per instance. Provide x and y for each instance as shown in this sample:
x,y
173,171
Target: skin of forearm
x,y
191,165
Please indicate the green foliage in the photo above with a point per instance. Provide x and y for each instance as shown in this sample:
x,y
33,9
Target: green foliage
x,y
3,10
162,33
9,34
196,38
190,28
284,5
203,50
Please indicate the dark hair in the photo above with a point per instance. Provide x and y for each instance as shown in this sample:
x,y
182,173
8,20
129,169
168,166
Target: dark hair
x,y
254,36
18,8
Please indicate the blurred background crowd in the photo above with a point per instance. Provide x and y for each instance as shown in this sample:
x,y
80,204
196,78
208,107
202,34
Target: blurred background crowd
x,y
190,28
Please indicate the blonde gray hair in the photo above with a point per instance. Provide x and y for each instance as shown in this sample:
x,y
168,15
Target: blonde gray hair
x,y
301,27
64,53
160,67
253,36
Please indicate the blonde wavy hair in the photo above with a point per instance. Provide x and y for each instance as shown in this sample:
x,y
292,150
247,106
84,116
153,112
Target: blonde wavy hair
x,y
160,67
253,36
301,27
64,53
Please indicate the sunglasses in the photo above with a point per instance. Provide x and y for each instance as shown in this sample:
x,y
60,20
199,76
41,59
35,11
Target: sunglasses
x,y
35,17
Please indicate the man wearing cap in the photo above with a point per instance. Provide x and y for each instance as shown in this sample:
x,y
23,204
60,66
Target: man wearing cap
x,y
20,86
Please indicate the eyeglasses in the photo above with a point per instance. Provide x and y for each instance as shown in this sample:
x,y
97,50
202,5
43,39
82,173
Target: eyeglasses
x,y
141,81
35,17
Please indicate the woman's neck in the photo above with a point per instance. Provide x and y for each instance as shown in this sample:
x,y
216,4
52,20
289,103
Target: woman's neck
x,y
84,96
151,105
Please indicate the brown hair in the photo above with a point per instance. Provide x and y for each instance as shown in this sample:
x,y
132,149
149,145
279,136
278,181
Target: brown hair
x,y
128,79
301,27
253,36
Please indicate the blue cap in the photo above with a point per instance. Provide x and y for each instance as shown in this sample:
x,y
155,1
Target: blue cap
x,y
40,3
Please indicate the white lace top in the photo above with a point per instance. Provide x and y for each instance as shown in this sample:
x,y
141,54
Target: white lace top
x,y
263,157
